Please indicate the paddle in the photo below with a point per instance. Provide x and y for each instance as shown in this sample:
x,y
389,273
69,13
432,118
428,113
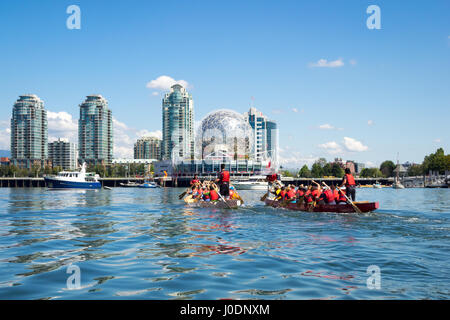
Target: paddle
x,y
221,197
349,201
181,196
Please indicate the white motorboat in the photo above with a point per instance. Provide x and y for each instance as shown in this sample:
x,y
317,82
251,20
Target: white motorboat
x,y
253,183
72,179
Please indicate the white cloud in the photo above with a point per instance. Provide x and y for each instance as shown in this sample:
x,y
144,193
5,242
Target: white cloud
x,y
294,159
277,111
331,147
370,164
146,133
324,63
295,110
326,126
352,62
354,145
437,140
165,82
5,135
155,93
125,137
62,125
370,122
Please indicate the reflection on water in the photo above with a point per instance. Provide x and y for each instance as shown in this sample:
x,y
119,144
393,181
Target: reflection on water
x,y
138,243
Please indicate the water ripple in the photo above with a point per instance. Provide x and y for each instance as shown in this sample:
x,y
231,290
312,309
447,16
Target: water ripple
x,y
145,244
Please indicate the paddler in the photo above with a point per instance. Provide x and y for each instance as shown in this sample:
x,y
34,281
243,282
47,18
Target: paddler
x,y
213,194
224,181
290,194
349,182
328,196
195,180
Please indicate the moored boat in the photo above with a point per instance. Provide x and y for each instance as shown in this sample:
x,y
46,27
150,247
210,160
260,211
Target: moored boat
x,y
73,179
148,184
129,184
254,183
338,208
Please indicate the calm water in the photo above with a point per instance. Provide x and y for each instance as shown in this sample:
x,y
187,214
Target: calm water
x,y
145,244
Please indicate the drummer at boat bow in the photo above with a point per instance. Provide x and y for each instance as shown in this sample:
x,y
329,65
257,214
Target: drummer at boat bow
x,y
224,181
349,182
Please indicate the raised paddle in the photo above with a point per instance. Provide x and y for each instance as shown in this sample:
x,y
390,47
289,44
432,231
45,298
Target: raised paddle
x,y
350,201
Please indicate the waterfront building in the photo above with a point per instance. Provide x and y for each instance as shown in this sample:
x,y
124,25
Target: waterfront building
x,y
237,168
29,132
5,161
147,148
95,131
63,154
224,135
265,135
359,167
178,124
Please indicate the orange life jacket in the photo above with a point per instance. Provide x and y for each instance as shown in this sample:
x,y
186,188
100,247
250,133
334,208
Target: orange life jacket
x,y
329,195
336,194
350,180
291,194
316,193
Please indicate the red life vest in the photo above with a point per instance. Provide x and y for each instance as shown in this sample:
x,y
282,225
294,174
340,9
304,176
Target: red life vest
x,y
272,177
329,196
350,180
316,193
300,193
336,194
341,197
214,195
225,176
291,194
194,181
283,194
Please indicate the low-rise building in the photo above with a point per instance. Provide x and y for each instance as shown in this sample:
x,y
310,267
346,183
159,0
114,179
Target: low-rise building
x,y
63,153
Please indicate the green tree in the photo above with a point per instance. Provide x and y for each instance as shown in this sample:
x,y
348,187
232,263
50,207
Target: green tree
x,y
327,170
415,170
287,173
316,170
387,168
337,171
304,172
371,173
437,161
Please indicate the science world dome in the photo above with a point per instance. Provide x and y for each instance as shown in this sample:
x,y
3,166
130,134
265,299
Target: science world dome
x,y
224,135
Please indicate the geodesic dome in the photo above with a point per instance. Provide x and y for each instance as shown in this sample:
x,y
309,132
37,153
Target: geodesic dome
x,y
224,135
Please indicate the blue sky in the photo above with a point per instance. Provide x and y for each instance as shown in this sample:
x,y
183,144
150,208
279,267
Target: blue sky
x,y
376,93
